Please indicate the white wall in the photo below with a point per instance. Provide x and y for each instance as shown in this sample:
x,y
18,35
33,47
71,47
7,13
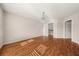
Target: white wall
x,y
75,27
60,28
1,28
18,28
45,29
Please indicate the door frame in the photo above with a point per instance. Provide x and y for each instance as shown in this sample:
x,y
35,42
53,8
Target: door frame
x,y
64,27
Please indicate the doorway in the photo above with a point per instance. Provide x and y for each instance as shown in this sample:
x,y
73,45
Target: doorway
x,y
68,28
50,29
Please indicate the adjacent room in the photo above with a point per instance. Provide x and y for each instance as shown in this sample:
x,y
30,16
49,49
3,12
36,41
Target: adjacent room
x,y
39,29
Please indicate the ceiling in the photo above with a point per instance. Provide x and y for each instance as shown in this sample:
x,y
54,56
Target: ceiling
x,y
34,10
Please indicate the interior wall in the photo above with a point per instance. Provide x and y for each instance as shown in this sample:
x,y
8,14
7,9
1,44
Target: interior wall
x,y
60,28
18,28
75,27
45,29
1,27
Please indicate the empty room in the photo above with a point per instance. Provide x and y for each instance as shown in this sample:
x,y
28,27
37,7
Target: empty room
x,y
39,29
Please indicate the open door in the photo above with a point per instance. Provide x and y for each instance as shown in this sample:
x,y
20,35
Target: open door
x,y
50,30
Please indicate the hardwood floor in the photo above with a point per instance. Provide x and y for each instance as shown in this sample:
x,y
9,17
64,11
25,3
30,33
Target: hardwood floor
x,y
41,46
